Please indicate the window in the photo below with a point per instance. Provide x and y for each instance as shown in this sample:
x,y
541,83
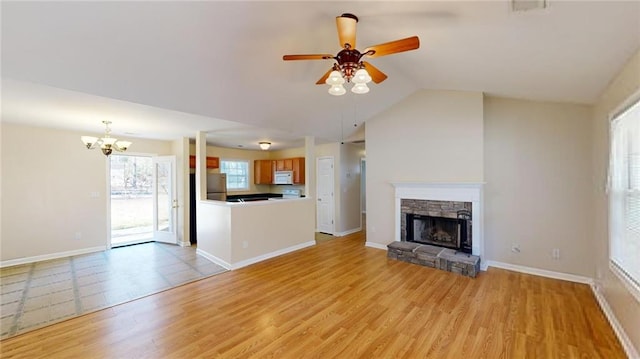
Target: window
x,y
624,197
237,174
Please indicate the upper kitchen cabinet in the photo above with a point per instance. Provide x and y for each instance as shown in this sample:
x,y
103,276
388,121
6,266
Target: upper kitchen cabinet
x,y
263,171
297,166
284,164
212,162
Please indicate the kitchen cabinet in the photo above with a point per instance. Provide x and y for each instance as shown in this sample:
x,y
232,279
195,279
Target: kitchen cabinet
x,y
263,171
297,166
212,162
285,164
288,164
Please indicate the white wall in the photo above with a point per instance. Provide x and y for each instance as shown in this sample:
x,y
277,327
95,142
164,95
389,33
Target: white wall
x,y
47,185
537,192
431,136
238,234
214,230
625,307
270,227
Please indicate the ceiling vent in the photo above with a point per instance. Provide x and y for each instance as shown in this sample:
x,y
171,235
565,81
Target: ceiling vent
x,y
526,5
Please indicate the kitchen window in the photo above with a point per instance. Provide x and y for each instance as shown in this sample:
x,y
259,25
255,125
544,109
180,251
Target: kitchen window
x,y
237,174
624,197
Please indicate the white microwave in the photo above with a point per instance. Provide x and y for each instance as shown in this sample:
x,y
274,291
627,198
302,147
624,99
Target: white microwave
x,y
283,177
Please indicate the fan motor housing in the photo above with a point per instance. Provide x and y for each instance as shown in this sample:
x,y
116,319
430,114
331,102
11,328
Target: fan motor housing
x,y
348,60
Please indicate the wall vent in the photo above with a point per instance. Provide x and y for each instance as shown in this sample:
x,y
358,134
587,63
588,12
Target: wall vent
x,y
526,5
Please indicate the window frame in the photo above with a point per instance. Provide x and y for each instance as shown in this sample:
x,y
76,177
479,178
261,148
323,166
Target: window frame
x,y
631,284
247,174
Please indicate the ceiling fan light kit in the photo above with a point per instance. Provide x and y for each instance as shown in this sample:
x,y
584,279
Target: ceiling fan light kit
x,y
335,78
348,66
337,90
360,88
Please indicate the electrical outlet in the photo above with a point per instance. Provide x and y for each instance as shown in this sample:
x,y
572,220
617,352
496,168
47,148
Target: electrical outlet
x,y
245,244
78,236
515,248
555,253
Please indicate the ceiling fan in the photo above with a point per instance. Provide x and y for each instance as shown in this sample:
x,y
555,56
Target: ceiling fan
x,y
348,66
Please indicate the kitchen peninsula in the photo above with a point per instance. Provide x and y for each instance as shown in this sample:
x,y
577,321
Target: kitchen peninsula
x,y
237,234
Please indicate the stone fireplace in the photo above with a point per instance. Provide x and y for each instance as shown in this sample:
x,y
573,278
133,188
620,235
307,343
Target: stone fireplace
x,y
439,225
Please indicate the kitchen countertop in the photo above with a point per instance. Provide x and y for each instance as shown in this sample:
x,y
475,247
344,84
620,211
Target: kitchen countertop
x,y
252,202
255,197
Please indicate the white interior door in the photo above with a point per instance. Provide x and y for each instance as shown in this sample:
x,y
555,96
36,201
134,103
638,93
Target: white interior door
x,y
325,205
165,204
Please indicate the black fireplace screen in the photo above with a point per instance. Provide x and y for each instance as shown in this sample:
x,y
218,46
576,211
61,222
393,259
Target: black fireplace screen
x,y
440,231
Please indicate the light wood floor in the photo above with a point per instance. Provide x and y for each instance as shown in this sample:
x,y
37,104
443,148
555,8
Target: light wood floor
x,y
340,299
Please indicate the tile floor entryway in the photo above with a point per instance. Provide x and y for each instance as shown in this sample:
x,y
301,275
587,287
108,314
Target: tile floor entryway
x,y
38,294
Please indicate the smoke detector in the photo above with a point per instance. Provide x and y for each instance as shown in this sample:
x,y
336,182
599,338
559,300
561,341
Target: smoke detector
x,y
526,5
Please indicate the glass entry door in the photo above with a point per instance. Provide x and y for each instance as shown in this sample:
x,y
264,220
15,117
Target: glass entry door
x,y
165,204
131,199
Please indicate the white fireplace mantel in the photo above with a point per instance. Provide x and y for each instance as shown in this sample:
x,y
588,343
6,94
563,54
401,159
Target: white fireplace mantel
x,y
450,191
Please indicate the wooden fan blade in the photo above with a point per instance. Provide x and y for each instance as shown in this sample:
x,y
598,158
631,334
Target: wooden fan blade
x,y
376,75
324,77
410,43
307,57
346,24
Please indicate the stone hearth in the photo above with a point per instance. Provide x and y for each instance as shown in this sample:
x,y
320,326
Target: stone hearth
x,y
435,257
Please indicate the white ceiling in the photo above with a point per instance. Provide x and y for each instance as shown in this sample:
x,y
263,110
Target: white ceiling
x,y
168,69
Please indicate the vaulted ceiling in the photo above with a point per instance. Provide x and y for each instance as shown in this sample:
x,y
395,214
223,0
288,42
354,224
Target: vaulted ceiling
x,y
168,69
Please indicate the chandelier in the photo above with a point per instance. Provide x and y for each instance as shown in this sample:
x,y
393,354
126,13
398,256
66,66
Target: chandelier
x,y
107,143
348,69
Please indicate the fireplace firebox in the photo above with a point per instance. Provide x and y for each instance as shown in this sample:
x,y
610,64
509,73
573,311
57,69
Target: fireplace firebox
x,y
439,231
446,224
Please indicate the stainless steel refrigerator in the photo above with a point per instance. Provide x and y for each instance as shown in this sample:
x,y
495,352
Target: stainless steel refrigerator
x,y
217,186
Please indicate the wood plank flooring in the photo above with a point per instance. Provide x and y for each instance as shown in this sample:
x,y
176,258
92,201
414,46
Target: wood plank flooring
x,y
340,299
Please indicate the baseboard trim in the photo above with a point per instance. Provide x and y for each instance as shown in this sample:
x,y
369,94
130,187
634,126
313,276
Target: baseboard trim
x,y
541,272
483,265
375,245
351,231
46,257
224,264
250,261
615,324
270,255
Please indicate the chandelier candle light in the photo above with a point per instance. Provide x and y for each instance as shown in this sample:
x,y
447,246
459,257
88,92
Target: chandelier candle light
x,y
107,143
